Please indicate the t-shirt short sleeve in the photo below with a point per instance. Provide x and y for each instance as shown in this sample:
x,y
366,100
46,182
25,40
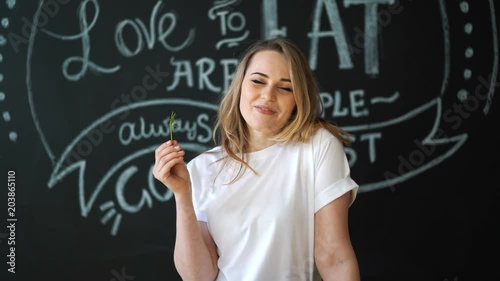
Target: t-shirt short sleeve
x,y
198,189
332,178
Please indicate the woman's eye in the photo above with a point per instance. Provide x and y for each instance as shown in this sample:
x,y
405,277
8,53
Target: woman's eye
x,y
257,81
286,89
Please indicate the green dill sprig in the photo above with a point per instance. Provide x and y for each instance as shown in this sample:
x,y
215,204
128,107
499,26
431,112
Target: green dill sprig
x,y
171,124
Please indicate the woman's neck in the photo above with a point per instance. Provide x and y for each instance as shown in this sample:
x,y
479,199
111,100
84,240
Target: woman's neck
x,y
260,142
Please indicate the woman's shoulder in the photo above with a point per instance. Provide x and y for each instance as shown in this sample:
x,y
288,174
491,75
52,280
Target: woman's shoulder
x,y
323,135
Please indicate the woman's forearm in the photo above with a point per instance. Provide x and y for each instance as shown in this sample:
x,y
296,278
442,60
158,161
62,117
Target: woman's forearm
x,y
335,268
191,255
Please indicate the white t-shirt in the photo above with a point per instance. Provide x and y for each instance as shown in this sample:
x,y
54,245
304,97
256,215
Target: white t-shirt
x,y
263,225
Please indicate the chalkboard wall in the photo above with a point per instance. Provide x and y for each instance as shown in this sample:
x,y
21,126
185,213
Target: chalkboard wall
x,y
87,88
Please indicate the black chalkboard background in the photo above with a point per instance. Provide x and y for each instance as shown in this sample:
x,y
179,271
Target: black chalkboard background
x,y
87,88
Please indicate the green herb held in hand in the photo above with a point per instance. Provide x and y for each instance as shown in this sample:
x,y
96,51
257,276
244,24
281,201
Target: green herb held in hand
x,y
171,124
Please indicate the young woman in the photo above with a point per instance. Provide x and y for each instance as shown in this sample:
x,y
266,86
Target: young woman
x,y
270,201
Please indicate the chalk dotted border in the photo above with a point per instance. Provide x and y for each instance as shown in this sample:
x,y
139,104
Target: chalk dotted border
x,y
4,25
463,94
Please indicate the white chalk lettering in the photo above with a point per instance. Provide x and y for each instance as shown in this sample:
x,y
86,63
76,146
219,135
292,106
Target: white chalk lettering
x,y
205,67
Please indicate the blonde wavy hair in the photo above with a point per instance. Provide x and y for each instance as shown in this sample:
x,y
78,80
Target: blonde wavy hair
x,y
231,132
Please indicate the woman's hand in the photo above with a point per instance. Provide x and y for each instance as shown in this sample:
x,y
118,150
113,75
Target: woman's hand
x,y
170,168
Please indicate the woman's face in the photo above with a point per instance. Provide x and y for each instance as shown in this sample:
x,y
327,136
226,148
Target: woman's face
x,y
267,99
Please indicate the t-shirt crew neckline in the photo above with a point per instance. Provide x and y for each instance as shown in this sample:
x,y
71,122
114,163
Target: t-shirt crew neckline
x,y
270,150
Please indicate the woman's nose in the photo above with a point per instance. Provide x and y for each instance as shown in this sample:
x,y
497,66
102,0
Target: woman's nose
x,y
268,94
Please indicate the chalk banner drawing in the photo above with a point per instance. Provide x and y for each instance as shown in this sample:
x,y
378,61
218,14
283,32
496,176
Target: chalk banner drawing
x,y
120,138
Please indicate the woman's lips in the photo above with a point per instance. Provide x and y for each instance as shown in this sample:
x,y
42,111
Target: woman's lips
x,y
264,109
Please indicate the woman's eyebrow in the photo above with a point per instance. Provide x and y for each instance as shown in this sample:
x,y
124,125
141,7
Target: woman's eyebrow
x,y
267,76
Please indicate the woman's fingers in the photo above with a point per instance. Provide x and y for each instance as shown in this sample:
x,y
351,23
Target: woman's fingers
x,y
166,162
167,155
163,149
170,168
